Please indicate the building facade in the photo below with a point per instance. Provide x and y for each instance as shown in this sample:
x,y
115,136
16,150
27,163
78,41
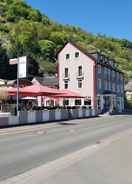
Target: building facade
x,y
128,90
92,75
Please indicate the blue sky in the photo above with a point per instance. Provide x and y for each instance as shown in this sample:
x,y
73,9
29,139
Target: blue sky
x,y
110,17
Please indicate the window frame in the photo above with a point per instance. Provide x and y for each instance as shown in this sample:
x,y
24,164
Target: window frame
x,y
99,83
66,83
99,68
65,104
80,71
77,54
67,56
88,100
80,82
78,100
66,71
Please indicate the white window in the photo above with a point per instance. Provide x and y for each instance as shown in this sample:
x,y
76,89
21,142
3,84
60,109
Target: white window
x,y
122,89
66,85
105,70
99,83
118,88
121,78
66,72
109,85
109,71
105,84
78,102
113,73
87,102
65,102
67,56
80,71
99,68
113,86
118,76
79,83
76,54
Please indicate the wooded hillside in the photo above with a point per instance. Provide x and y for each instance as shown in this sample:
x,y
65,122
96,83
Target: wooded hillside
x,y
26,31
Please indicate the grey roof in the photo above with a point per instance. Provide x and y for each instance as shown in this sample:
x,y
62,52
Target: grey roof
x,y
128,86
47,80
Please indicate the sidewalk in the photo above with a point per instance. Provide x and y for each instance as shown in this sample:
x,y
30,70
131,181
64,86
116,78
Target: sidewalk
x,y
110,165
109,162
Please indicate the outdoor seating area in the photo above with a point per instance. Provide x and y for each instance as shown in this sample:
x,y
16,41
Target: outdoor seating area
x,y
30,96
33,109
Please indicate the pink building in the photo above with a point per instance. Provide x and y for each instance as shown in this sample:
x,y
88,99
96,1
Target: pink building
x,y
93,76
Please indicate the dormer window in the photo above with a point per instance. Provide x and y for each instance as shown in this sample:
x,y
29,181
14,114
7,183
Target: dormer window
x,y
111,63
67,56
105,61
101,58
76,54
99,69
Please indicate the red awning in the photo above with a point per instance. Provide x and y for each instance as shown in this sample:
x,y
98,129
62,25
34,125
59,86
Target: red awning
x,y
68,94
34,90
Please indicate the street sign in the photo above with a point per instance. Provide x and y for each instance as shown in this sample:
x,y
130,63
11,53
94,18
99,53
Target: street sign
x,y
13,61
22,67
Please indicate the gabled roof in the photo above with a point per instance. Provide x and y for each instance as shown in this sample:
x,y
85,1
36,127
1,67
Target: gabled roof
x,y
83,50
51,81
93,55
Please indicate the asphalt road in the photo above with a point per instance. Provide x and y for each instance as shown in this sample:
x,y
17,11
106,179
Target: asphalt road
x,y
22,151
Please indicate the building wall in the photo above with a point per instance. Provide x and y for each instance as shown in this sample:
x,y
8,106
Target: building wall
x,y
111,81
107,76
72,64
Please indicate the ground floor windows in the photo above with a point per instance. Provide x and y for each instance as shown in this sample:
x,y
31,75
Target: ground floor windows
x,y
109,103
78,102
65,102
98,101
87,102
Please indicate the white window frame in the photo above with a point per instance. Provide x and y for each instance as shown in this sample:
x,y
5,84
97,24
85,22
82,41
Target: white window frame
x,y
106,84
99,68
66,56
99,83
80,82
113,86
66,82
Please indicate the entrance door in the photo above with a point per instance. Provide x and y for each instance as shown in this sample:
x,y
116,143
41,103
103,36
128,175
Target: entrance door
x,y
107,104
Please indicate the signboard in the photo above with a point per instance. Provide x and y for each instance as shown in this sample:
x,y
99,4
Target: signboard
x,y
13,61
22,67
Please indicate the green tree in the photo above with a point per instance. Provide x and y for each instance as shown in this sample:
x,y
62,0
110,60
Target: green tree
x,y
47,49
